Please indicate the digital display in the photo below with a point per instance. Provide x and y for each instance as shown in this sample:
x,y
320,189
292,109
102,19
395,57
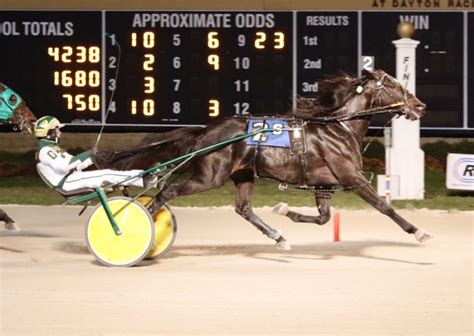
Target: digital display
x,y
137,69
53,60
439,59
193,67
327,45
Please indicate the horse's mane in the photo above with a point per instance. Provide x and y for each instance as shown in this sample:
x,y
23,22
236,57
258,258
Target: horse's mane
x,y
153,147
333,92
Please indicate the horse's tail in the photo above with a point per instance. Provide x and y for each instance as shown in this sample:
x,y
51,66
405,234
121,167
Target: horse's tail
x,y
153,148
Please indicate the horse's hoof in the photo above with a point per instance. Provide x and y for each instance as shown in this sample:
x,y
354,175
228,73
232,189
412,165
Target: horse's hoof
x,y
11,226
281,209
422,235
283,245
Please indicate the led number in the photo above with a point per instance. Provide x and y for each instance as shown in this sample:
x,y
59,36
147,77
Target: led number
x,y
67,52
212,41
80,54
133,40
149,85
94,103
133,107
80,78
94,54
148,62
148,107
54,53
94,78
148,39
63,78
260,39
69,99
279,39
82,103
214,110
214,61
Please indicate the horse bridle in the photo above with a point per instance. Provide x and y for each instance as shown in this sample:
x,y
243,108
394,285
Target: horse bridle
x,y
399,107
7,109
380,87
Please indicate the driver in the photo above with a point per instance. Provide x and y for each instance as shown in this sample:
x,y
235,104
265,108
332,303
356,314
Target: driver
x,y
60,169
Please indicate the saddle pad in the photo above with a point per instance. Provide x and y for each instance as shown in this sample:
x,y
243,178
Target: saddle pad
x,y
278,138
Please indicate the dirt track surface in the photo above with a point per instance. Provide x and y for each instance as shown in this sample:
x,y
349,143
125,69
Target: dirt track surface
x,y
224,278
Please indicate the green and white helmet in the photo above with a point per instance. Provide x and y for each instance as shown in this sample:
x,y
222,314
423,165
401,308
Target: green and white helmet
x,y
45,127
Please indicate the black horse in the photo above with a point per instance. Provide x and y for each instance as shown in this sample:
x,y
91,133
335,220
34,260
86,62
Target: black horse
x,y
326,132
14,112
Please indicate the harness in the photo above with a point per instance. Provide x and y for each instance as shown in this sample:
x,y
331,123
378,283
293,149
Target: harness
x,y
398,107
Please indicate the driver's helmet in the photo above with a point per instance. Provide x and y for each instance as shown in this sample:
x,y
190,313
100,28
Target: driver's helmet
x,y
46,126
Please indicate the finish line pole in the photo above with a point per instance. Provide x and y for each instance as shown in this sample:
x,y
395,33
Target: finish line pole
x,y
407,160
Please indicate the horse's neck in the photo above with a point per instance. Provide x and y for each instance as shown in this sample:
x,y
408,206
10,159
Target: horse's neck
x,y
358,127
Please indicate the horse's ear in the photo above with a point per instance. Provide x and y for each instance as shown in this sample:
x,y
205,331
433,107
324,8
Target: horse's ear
x,y
367,73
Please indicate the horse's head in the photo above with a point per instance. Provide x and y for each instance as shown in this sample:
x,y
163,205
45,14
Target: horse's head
x,y
13,110
384,90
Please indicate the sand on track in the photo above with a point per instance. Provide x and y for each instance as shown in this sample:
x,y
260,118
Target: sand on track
x,y
222,277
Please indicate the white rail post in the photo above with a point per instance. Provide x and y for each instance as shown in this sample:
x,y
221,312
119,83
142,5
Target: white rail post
x,y
407,160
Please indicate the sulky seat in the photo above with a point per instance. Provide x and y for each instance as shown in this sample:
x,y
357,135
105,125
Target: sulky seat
x,y
72,193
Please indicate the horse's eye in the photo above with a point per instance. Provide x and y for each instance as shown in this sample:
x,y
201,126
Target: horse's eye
x,y
12,99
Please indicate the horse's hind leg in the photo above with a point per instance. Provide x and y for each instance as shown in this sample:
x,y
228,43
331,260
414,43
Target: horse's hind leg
x,y
193,185
244,208
323,202
9,223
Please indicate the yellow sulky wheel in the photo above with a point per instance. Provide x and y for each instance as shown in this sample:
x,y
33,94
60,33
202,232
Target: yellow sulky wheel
x,y
134,242
165,229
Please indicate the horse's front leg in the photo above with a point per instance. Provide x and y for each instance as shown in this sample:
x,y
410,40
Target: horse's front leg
x,y
349,176
366,192
243,207
323,202
9,222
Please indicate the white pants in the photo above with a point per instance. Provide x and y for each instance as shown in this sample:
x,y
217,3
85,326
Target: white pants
x,y
100,178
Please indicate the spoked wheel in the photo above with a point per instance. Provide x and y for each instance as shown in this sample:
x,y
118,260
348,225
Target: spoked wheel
x,y
132,244
165,229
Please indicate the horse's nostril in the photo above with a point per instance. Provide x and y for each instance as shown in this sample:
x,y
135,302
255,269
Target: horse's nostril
x,y
420,108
